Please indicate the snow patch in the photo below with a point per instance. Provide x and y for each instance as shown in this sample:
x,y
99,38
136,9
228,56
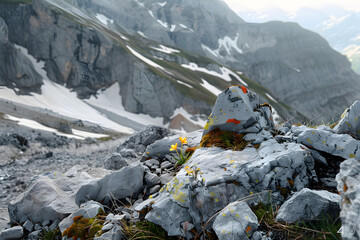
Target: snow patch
x,y
164,24
103,19
144,59
227,44
172,28
162,4
210,87
60,100
35,125
142,34
123,37
165,49
269,96
151,14
333,21
185,84
296,69
141,4
188,116
186,27
111,101
225,72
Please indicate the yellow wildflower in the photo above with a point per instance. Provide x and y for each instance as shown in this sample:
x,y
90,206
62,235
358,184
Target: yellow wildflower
x,y
189,170
173,147
183,140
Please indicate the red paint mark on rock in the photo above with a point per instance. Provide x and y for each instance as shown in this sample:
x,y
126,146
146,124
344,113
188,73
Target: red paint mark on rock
x,y
244,89
233,121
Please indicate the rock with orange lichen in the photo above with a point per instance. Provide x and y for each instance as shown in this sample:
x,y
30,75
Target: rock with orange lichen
x,y
238,109
235,221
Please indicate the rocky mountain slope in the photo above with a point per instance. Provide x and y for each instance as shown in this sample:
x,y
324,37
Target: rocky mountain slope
x,y
338,26
276,55
122,46
113,72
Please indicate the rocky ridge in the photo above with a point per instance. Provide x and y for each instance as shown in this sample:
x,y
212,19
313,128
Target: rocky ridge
x,y
216,191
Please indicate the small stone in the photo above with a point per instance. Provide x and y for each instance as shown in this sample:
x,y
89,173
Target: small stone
x,y
109,217
12,233
165,178
154,189
118,218
166,165
151,180
115,162
107,227
34,235
28,226
37,227
45,223
54,225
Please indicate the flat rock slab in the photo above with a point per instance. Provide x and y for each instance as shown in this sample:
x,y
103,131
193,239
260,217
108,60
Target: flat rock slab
x,y
216,177
342,145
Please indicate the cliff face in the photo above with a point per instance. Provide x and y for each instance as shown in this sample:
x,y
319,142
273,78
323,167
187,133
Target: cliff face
x,y
16,71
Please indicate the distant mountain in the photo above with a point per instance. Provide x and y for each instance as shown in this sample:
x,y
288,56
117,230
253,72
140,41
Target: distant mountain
x,y
338,26
139,62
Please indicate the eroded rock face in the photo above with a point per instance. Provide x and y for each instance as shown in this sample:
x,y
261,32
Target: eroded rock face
x,y
238,110
349,122
309,205
217,177
348,181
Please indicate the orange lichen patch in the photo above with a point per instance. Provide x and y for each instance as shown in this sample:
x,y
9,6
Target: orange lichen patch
x,y
291,182
233,121
244,89
345,187
190,150
248,229
224,139
266,105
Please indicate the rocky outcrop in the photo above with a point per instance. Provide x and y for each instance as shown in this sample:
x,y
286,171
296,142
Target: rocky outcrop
x,y
16,71
309,205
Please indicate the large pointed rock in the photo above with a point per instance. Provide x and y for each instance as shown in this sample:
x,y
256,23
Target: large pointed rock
x,y
238,109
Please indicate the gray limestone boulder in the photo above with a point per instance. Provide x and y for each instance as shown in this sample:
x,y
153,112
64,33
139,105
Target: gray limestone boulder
x,y
126,182
51,196
349,122
309,205
160,148
235,221
342,145
238,110
14,233
142,139
348,181
215,177
88,210
115,162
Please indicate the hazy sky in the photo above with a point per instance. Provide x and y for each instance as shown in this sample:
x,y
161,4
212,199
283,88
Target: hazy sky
x,y
289,5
